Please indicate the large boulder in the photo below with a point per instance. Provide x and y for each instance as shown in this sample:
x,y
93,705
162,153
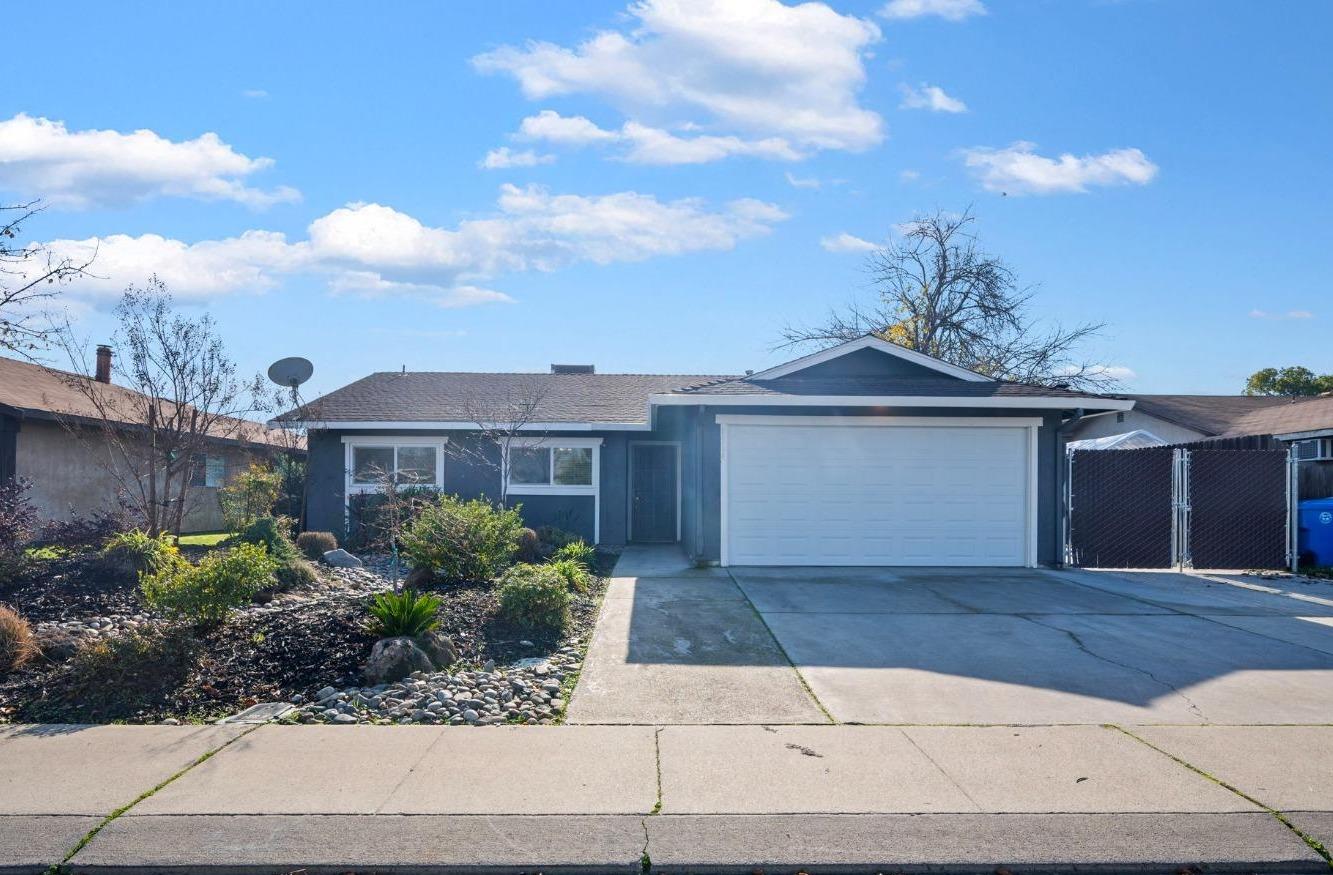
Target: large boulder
x,y
340,558
439,648
392,659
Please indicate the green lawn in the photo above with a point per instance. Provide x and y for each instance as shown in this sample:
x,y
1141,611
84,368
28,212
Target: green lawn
x,y
204,539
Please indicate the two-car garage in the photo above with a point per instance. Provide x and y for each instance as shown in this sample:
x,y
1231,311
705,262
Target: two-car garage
x,y
838,490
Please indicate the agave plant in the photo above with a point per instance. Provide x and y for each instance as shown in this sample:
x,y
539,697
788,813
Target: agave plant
x,y
407,613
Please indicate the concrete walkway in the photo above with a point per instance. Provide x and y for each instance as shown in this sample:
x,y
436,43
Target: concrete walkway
x,y
675,798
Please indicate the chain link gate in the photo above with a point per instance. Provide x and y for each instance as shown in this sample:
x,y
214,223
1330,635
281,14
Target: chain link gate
x,y
1161,507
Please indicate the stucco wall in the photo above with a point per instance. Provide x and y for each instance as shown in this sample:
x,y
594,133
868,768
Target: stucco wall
x,y
70,475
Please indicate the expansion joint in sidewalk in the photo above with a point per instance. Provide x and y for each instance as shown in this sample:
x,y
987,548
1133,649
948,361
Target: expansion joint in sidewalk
x,y
1314,843
82,843
785,655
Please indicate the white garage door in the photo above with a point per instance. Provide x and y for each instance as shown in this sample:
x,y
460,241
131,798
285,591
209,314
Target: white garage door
x,y
838,494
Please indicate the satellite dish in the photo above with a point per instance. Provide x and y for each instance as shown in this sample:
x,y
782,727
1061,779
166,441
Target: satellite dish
x,y
290,372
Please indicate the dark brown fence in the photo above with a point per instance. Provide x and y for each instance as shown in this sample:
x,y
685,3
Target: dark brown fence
x,y
1238,515
1120,508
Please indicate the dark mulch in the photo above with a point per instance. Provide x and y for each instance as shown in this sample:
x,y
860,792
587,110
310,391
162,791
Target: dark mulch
x,y
254,657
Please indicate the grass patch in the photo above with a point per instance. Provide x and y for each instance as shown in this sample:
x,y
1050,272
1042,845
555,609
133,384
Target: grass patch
x,y
203,539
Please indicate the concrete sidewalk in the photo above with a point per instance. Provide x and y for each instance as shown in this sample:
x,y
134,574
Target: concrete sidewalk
x,y
675,798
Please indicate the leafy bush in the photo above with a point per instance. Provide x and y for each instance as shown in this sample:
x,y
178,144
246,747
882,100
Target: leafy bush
x,y
129,555
294,572
17,645
84,531
18,519
576,551
274,533
204,594
463,540
535,595
574,574
405,613
315,544
249,496
374,516
554,537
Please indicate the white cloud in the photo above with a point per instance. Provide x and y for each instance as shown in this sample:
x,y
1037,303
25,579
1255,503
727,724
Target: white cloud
x,y
930,97
844,242
802,182
1018,169
1290,314
756,70
909,175
254,93
1120,373
648,145
504,157
79,169
372,249
950,10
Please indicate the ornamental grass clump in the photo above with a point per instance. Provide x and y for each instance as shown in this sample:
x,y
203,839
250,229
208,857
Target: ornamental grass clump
x,y
463,540
315,544
575,574
272,534
404,614
535,596
130,555
204,594
18,646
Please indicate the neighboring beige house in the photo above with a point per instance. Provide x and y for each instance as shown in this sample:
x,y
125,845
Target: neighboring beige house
x,y
39,408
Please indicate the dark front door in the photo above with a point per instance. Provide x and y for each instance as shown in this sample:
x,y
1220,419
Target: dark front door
x,y
652,492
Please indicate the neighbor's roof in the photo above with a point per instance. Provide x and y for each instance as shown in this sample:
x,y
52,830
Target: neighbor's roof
x,y
942,387
435,396
1290,416
33,390
1210,414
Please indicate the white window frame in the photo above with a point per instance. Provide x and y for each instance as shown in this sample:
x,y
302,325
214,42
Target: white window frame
x,y
560,443
1323,449
352,442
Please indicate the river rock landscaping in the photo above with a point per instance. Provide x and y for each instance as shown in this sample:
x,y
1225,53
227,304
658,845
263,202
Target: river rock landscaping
x,y
307,646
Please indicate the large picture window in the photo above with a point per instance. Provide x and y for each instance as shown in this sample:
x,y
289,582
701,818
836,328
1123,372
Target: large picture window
x,y
411,464
545,465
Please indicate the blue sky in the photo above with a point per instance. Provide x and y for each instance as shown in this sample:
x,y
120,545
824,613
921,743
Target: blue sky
x,y
691,169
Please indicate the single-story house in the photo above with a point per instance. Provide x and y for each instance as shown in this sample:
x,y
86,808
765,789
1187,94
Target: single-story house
x,y
866,453
49,435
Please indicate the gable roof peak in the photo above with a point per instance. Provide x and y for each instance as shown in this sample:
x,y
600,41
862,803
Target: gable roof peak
x,y
875,342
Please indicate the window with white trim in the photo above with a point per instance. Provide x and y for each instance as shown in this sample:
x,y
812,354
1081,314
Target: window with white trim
x,y
1314,449
410,462
553,465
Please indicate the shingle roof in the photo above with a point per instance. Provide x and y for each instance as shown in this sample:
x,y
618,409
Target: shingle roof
x,y
1211,414
1292,415
36,390
432,396
947,387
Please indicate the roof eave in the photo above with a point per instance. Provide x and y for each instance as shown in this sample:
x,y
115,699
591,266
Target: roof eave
x,y
1033,402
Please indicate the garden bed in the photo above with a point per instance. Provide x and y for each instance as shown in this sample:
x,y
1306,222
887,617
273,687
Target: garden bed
x,y
295,646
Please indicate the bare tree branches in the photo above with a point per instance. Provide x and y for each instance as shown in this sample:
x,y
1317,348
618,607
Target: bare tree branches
x,y
29,275
180,394
501,419
938,293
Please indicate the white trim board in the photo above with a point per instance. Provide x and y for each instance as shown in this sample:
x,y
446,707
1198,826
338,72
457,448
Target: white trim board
x,y
419,425
868,342
869,421
1041,402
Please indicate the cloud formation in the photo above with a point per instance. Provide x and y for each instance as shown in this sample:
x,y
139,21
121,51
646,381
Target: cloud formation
x,y
844,242
931,97
949,10
1290,314
41,158
376,250
504,157
642,144
1018,169
761,77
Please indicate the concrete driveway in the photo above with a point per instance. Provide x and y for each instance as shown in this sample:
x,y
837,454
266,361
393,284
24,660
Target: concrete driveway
x,y
951,646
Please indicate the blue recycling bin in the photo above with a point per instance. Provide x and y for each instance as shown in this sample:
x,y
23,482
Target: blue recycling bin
x,y
1315,541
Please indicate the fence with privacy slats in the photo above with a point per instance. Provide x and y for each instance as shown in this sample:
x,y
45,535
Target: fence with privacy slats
x,y
1164,507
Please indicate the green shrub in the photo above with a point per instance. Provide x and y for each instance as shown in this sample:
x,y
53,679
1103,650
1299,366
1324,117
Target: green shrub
x,y
204,594
463,540
17,644
250,496
375,517
574,574
554,537
294,572
404,613
274,534
535,595
132,554
315,544
577,551
529,546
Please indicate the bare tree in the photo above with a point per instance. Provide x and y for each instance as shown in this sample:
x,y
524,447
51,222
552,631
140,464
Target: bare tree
x,y
938,293
29,275
503,420
181,394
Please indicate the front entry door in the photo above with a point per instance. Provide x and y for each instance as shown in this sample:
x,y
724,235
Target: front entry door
x,y
653,488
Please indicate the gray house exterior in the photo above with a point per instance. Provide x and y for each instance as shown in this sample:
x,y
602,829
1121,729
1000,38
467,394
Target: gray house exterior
x,y
863,454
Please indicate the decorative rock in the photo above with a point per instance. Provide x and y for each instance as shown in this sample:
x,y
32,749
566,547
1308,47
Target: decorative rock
x,y
394,658
340,558
439,649
419,578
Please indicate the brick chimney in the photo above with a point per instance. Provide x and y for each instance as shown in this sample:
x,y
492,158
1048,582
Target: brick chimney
x,y
103,374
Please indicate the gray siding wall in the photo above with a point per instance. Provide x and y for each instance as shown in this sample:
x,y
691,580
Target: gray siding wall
x,y
1131,420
